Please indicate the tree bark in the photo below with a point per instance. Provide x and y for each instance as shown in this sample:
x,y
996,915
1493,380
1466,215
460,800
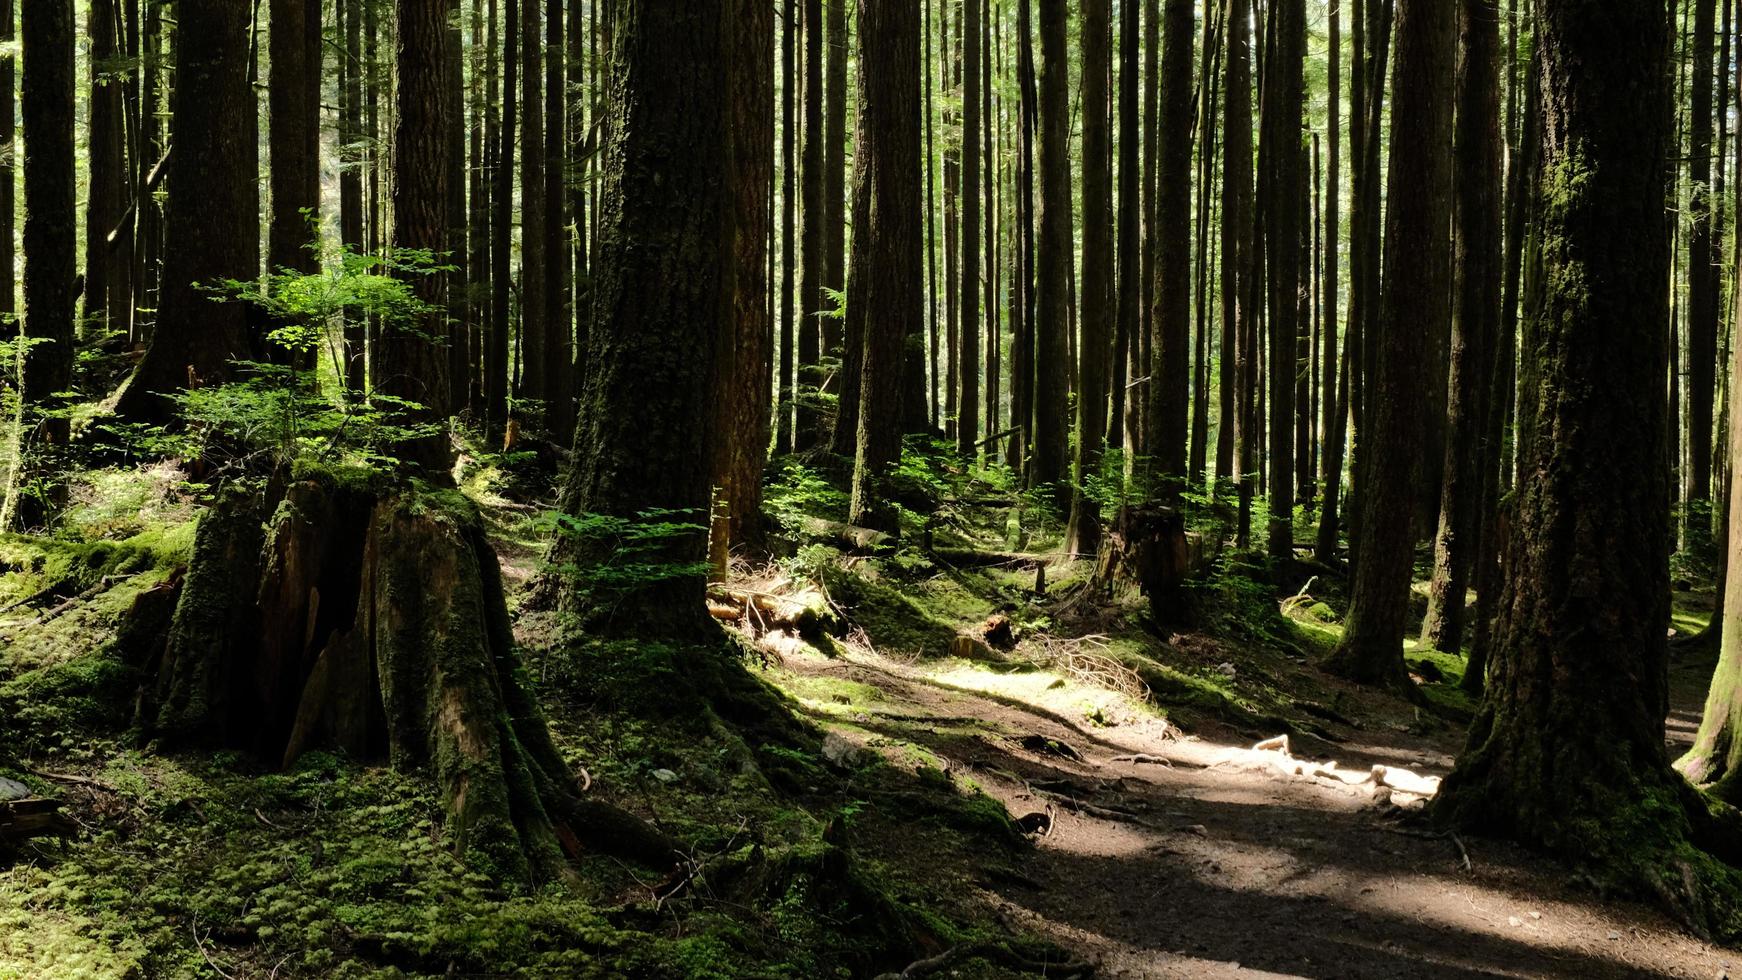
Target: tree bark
x,y
1170,372
1285,75
1335,409
535,323
1417,296
1703,277
968,295
887,260
1477,287
106,297
351,159
49,218
496,368
293,96
213,204
659,315
740,442
1236,235
1052,321
1095,345
811,301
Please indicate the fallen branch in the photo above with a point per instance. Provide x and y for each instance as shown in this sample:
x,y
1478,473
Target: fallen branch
x,y
1143,759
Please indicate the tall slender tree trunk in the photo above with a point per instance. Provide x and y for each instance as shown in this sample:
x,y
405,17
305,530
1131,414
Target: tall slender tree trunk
x,y
106,298
1022,350
1335,409
558,354
293,95
789,31
1478,269
1053,253
8,173
812,305
968,235
1236,236
350,172
213,201
1170,374
1417,297
535,315
740,433
49,217
496,370
1209,105
844,379
887,246
481,156
1703,278
1125,425
1095,345
1285,76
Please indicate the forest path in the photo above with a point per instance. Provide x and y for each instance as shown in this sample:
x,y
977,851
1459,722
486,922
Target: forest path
x,y
1204,858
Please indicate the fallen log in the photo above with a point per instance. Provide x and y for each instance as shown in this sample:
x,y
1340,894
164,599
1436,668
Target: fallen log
x,y
806,613
848,537
969,558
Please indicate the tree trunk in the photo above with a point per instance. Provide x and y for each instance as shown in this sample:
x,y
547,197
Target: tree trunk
x,y
1335,409
1703,277
534,268
811,303
887,259
834,205
351,158
1236,234
1053,252
1170,372
1417,296
49,218
659,315
1284,75
557,354
740,434
968,295
789,31
105,272
496,369
1478,270
1126,423
1567,752
293,96
213,203
1095,345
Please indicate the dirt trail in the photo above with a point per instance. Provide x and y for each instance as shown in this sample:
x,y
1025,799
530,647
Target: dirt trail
x,y
1211,861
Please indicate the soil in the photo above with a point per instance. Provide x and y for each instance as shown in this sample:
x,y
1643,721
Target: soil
x,y
1205,858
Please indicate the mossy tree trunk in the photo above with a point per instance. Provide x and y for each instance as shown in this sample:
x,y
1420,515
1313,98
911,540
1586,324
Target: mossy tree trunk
x,y
1567,752
661,304
1417,305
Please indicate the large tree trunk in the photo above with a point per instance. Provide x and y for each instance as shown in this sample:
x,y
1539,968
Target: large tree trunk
x,y
740,443
1095,345
835,342
789,30
1335,408
557,354
534,316
1475,320
887,255
496,370
659,314
1567,752
213,204
351,158
1416,299
1052,320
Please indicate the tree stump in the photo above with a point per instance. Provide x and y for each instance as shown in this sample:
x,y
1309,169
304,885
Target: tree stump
x,y
373,622
1147,548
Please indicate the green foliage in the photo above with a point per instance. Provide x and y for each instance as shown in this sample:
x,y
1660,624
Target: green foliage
x,y
798,491
271,414
620,556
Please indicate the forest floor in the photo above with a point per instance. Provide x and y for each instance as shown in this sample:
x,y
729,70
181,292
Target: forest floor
x,y
1046,769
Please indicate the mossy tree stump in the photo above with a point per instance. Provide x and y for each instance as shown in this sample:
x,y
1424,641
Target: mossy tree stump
x,y
373,622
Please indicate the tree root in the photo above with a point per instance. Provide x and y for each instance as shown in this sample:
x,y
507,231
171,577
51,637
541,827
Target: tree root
x,y
994,953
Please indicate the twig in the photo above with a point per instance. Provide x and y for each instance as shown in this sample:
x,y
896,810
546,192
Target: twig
x,y
194,928
61,777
